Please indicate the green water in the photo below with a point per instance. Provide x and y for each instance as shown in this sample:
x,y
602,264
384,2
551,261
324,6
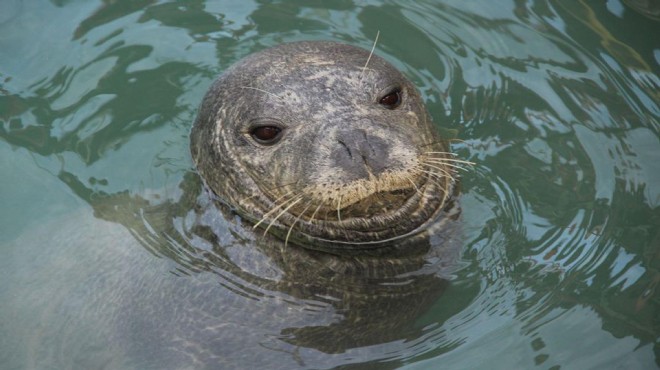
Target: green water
x,y
558,103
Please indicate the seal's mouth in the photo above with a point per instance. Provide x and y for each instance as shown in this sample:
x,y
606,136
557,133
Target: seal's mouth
x,y
406,211
383,202
378,203
380,220
367,215
363,199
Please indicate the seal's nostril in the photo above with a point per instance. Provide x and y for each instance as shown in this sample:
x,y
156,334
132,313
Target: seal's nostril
x,y
365,160
361,154
348,150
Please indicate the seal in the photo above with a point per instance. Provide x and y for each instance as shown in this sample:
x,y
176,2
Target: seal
x,y
325,146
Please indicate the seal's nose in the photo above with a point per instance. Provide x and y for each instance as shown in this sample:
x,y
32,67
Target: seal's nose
x,y
360,154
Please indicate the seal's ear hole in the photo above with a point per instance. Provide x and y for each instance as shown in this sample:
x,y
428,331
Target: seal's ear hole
x,y
266,135
392,99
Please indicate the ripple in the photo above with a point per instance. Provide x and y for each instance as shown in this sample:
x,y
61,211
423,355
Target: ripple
x,y
556,103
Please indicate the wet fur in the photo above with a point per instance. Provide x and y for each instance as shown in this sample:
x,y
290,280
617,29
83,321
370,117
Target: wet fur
x,y
348,174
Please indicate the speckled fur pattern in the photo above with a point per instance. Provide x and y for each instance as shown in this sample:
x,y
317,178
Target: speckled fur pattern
x,y
348,174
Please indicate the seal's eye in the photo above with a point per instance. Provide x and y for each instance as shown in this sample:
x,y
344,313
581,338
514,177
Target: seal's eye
x,y
266,135
392,99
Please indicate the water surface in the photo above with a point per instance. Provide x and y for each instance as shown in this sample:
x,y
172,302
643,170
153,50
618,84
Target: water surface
x,y
112,257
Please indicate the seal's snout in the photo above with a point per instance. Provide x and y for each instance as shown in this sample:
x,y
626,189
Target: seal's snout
x,y
360,153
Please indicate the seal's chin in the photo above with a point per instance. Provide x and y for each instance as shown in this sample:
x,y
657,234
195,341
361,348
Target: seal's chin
x,y
377,221
374,205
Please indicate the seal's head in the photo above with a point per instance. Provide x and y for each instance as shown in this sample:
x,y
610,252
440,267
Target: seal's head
x,y
323,145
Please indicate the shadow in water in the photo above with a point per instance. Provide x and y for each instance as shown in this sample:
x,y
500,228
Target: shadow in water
x,y
341,304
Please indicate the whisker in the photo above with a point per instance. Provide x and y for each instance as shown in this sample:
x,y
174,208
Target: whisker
x,y
373,48
263,91
453,160
273,188
447,153
286,240
299,198
434,143
444,172
339,209
436,181
441,182
315,211
438,176
449,161
413,184
447,164
461,165
265,216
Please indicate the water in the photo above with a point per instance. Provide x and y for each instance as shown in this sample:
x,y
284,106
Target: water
x,y
102,264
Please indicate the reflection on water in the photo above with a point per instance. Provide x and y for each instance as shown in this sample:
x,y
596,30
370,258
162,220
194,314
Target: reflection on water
x,y
112,255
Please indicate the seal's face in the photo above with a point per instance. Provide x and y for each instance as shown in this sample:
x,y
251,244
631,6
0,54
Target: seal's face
x,y
312,146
